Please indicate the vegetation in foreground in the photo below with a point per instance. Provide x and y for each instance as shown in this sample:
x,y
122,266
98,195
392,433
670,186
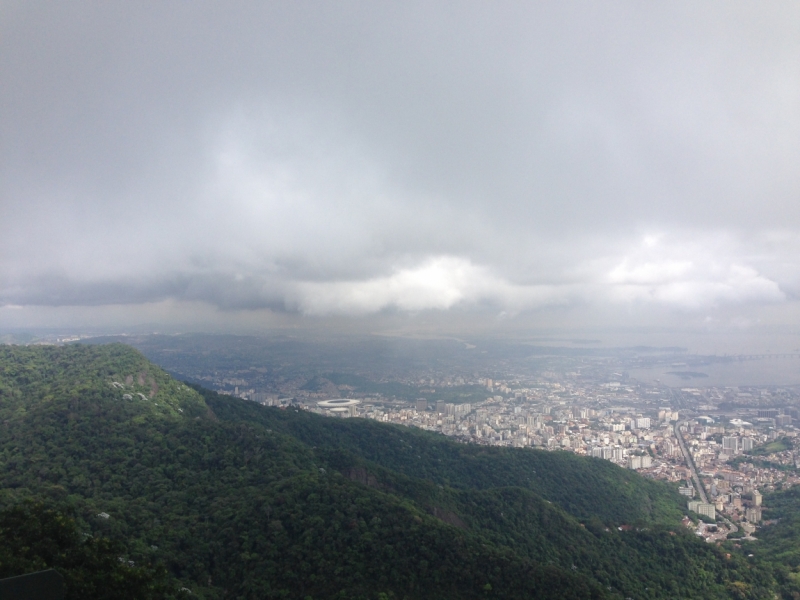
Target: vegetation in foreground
x,y
235,500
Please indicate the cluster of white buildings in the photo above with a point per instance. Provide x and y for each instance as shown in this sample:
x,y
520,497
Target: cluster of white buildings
x,y
621,435
629,435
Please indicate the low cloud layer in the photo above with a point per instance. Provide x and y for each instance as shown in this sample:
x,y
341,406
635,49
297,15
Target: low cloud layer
x,y
361,158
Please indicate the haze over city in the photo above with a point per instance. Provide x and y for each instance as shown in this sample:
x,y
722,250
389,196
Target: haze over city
x,y
408,168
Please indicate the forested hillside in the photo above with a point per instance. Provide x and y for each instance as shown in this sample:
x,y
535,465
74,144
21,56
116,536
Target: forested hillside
x,y
585,488
236,500
779,539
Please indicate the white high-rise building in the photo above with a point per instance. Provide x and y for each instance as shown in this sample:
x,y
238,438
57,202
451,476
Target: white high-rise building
x,y
605,452
708,510
730,444
639,462
702,508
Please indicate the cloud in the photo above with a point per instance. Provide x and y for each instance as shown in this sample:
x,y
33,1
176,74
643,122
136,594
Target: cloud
x,y
685,274
445,157
692,274
439,283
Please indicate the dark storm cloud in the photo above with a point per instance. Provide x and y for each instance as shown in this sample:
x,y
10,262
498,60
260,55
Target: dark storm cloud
x,y
356,157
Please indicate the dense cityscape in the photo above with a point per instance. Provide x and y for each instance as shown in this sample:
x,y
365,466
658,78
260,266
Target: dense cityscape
x,y
738,453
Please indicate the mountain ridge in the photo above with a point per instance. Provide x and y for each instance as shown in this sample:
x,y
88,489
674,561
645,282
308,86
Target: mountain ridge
x,y
240,500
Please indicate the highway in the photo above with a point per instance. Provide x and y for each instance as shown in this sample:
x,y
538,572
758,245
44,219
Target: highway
x,y
678,399
689,461
693,470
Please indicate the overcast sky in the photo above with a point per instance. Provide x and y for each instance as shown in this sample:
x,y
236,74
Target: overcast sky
x,y
575,163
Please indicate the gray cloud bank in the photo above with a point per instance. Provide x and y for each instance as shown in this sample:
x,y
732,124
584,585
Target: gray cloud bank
x,y
355,157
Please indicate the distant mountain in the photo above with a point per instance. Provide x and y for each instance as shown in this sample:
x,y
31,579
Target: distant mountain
x,y
241,501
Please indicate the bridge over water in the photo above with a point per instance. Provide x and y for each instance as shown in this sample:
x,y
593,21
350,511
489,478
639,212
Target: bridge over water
x,y
740,357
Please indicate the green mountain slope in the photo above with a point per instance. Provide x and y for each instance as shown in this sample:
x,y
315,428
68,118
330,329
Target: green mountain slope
x,y
778,541
585,488
242,501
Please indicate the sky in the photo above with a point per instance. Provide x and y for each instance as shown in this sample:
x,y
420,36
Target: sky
x,y
444,165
